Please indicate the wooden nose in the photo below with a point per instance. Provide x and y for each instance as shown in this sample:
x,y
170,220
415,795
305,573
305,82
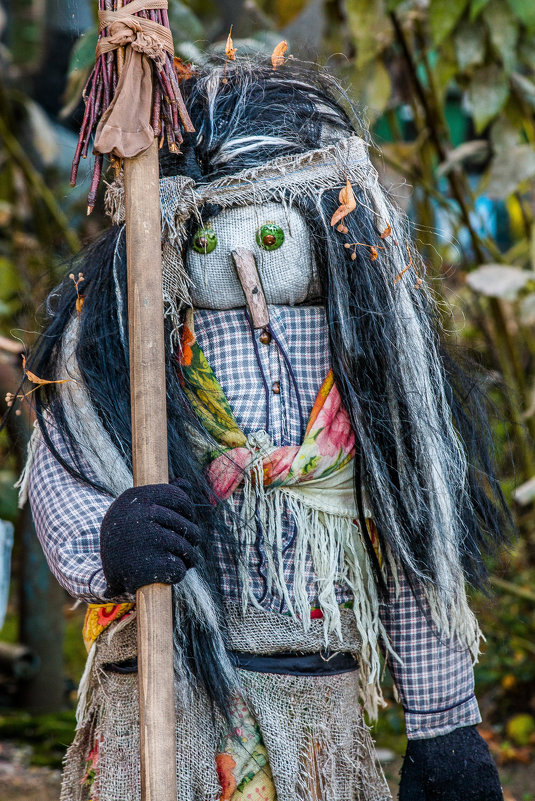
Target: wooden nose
x,y
247,271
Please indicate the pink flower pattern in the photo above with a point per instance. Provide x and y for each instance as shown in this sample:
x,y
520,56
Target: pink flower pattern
x,y
328,445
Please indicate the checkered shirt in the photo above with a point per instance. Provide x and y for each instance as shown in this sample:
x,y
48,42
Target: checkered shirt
x,y
270,387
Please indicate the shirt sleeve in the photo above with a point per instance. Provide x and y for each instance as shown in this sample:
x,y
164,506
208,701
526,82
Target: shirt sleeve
x,y
435,677
67,517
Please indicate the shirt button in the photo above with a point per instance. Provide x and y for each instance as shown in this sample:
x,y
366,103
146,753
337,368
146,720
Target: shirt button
x,y
265,337
276,388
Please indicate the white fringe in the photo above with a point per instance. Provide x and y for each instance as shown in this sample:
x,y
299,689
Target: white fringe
x,y
23,482
339,556
83,687
332,538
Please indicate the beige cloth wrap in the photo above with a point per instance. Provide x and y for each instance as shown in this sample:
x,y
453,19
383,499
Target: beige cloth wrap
x,y
124,129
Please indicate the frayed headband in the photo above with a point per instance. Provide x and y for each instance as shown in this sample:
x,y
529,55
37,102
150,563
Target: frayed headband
x,y
279,180
282,180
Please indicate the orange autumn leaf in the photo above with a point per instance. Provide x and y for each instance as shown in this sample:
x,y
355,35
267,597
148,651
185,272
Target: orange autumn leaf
x,y
230,50
347,203
386,232
277,57
36,380
183,70
373,253
347,197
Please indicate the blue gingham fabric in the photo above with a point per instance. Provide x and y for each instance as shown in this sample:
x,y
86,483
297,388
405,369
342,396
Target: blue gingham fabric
x,y
435,678
298,355
67,517
296,361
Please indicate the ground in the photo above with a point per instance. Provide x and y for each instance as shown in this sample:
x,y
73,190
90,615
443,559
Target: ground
x,y
19,781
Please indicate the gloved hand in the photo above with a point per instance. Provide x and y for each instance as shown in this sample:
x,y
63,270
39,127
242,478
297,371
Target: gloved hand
x,y
148,535
453,767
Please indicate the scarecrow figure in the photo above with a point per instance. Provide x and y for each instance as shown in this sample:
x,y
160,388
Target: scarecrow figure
x,y
331,490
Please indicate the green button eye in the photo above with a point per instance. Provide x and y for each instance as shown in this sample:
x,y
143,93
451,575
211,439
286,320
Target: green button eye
x,y
270,236
205,240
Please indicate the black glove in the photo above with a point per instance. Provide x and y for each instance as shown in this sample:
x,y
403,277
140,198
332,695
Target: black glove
x,y
148,535
454,767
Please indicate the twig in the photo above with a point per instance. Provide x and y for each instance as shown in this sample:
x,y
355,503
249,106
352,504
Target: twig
x,y
513,589
38,185
169,115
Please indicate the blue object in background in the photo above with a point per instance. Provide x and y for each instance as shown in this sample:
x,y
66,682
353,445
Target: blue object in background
x,y
6,546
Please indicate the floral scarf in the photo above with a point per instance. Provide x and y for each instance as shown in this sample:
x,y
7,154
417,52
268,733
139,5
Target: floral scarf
x,y
328,445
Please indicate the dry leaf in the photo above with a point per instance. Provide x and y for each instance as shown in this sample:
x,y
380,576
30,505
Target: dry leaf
x,y
230,50
386,232
36,380
347,203
373,253
347,197
183,71
79,298
277,57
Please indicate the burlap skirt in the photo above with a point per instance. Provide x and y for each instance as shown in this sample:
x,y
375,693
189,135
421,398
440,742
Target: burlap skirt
x,y
318,745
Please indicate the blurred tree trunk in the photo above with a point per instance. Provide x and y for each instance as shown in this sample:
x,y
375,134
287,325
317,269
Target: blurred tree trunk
x,y
41,622
40,598
64,21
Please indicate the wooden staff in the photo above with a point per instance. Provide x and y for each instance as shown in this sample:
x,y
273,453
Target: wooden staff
x,y
167,117
149,454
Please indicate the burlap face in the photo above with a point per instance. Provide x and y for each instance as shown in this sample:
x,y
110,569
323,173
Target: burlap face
x,y
281,181
288,274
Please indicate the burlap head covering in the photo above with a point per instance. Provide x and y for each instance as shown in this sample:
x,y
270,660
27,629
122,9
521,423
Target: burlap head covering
x,y
283,180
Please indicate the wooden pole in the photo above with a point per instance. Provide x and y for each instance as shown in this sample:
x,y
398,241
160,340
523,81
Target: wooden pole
x,y
149,453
